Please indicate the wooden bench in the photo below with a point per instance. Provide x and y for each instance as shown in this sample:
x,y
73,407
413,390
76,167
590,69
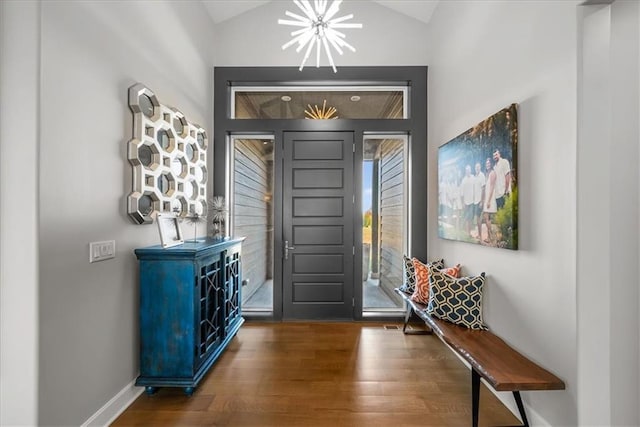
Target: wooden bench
x,y
490,358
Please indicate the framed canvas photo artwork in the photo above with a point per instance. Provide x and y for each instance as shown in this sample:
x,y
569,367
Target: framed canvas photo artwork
x,y
477,183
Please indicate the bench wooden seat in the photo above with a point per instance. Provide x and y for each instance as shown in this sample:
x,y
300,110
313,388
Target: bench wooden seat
x,y
490,357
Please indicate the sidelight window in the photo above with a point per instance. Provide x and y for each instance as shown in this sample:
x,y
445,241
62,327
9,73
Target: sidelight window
x,y
251,199
385,224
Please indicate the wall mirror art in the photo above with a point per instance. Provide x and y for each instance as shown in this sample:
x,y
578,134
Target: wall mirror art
x,y
168,157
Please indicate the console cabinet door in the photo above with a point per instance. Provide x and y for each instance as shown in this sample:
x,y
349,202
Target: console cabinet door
x,y
209,306
232,287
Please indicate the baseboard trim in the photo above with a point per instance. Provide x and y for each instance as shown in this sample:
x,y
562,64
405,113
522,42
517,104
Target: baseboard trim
x,y
114,407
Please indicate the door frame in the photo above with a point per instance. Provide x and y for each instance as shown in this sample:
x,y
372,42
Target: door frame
x,y
415,126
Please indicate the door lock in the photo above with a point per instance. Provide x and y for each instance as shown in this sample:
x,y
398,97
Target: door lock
x,y
287,248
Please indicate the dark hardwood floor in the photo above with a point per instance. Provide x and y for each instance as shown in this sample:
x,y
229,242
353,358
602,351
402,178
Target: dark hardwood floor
x,y
325,374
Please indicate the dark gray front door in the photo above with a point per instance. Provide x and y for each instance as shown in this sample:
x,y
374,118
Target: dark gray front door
x,y
318,208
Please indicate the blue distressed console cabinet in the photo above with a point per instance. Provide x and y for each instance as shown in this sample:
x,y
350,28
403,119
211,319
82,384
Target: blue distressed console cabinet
x,y
190,309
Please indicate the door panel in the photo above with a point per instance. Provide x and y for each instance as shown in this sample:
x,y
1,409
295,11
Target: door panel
x,y
310,150
318,225
311,292
318,264
318,178
318,235
318,207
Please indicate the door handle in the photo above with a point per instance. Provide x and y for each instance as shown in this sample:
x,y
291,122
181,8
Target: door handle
x,y
287,248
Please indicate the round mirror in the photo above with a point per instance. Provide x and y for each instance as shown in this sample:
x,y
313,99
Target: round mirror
x,y
163,139
145,205
145,155
146,105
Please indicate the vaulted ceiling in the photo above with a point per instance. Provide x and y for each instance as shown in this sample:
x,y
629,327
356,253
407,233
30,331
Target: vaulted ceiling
x,y
222,10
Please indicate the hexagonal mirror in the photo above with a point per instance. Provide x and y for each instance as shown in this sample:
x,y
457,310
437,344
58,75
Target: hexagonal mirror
x,y
145,155
166,184
201,140
189,191
179,206
145,204
164,139
146,105
192,152
196,190
166,154
180,125
201,207
201,174
179,167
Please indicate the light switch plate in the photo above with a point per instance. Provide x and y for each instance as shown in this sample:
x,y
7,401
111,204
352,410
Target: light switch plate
x,y
99,251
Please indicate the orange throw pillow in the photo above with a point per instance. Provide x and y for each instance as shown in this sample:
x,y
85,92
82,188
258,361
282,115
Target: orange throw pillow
x,y
421,294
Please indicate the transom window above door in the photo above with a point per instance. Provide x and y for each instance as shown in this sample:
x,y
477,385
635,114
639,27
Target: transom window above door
x,y
348,102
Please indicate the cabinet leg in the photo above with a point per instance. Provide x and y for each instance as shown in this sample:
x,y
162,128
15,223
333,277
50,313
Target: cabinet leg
x,y
188,391
150,390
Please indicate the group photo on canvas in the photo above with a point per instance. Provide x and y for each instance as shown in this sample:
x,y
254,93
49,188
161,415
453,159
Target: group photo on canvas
x,y
477,183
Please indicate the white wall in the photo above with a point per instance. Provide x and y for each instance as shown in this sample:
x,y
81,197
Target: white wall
x,y
485,56
594,127
387,38
19,115
608,322
91,53
624,149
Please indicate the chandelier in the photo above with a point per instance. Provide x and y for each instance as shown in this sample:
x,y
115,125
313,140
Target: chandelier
x,y
318,29
320,114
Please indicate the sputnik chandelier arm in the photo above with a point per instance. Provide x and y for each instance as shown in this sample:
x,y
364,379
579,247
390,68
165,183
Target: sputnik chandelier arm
x,y
318,28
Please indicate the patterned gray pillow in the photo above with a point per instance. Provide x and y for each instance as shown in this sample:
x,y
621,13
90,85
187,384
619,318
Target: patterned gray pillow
x,y
457,300
409,285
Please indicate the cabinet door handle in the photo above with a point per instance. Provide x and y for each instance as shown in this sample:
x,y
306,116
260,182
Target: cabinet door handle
x,y
287,248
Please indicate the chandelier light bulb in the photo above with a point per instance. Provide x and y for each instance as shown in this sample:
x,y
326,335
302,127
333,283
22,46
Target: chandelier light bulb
x,y
318,29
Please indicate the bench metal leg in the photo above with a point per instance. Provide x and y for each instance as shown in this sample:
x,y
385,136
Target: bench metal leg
x,y
475,401
407,316
475,397
409,313
523,414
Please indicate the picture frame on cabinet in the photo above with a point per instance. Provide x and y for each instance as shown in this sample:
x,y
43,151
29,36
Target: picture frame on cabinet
x,y
169,228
